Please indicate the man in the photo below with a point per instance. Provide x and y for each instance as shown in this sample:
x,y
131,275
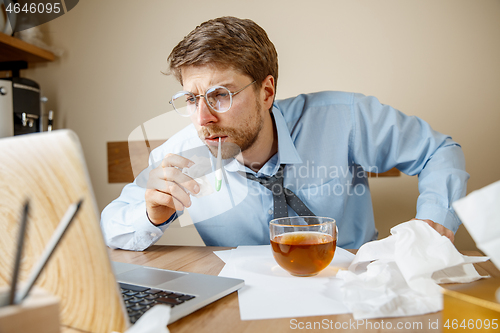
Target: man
x,y
318,146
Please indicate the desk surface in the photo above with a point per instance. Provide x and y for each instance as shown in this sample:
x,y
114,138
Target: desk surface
x,y
223,315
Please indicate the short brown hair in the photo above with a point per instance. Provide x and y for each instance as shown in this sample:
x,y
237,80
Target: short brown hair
x,y
228,41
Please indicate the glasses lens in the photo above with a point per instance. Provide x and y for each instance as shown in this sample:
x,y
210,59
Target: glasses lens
x,y
219,98
184,103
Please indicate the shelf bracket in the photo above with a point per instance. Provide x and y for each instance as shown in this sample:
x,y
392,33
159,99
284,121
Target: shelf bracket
x,y
13,66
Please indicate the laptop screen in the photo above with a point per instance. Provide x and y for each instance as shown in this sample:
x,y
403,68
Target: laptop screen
x,y
49,169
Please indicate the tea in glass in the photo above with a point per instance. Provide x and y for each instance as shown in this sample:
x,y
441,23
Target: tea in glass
x,y
303,246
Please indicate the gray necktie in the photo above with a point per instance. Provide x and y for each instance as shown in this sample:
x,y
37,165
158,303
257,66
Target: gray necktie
x,y
281,195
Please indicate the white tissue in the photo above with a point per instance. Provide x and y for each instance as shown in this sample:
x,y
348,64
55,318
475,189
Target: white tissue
x,y
480,214
154,320
198,172
399,275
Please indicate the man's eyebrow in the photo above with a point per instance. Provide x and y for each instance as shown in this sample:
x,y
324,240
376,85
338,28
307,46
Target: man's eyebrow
x,y
226,84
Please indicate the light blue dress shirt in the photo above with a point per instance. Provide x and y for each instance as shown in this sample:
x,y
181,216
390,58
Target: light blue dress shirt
x,y
327,141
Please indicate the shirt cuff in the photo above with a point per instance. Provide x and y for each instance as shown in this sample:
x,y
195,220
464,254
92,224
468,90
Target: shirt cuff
x,y
444,216
170,219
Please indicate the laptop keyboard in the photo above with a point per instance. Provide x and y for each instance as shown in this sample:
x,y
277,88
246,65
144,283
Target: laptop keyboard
x,y
139,299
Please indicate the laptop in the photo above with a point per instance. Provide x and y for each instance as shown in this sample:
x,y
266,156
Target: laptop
x,y
95,294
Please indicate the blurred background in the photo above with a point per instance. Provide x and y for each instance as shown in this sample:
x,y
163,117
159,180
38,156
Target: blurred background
x,y
436,59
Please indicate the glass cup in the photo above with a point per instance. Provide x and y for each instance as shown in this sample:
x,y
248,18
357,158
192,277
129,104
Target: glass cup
x,y
303,245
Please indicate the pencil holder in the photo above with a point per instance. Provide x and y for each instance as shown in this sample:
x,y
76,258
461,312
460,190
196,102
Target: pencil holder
x,y
39,313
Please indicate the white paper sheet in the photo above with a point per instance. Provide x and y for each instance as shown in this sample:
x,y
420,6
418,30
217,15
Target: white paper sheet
x,y
271,292
480,214
395,276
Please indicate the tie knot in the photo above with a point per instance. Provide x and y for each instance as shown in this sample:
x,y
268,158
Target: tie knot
x,y
268,181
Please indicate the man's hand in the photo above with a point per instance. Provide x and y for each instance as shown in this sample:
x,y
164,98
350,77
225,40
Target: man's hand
x,y
439,228
164,193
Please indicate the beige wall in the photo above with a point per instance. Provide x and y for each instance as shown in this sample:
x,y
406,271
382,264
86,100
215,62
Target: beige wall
x,y
437,59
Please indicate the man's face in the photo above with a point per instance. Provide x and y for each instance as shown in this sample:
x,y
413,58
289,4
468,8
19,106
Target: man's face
x,y
239,127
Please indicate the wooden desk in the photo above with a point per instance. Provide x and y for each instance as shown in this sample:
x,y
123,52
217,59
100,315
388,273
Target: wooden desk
x,y
223,315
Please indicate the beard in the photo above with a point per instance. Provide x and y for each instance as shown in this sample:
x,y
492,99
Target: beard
x,y
240,138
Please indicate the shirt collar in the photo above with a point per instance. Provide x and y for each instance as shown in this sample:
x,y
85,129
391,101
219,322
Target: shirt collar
x,y
287,153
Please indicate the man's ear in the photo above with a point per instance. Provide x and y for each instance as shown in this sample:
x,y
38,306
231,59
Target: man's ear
x,y
268,92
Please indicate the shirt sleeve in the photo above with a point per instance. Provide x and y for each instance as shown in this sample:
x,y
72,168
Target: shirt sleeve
x,y
383,138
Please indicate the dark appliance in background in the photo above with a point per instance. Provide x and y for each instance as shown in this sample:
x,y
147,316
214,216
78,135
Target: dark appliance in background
x,y
26,106
20,103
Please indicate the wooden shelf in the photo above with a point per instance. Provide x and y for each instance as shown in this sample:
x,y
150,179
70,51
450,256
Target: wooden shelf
x,y
14,49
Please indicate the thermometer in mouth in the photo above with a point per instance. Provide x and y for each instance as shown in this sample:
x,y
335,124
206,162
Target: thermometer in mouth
x,y
218,168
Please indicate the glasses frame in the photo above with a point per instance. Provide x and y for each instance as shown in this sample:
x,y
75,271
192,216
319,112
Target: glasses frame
x,y
196,98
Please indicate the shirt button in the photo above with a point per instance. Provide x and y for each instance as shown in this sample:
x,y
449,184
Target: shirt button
x,y
270,211
153,234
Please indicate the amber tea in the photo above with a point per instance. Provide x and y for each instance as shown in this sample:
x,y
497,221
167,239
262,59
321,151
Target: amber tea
x,y
303,253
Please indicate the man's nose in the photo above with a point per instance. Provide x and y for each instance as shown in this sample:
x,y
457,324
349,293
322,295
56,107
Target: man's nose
x,y
204,113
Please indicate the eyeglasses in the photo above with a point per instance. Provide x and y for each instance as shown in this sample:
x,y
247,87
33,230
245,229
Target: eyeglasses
x,y
218,98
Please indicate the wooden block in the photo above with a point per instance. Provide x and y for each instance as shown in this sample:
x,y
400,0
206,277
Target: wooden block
x,y
38,313
126,159
390,173
472,306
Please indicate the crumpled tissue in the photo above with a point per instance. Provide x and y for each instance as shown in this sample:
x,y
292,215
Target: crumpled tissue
x,y
202,166
399,275
154,320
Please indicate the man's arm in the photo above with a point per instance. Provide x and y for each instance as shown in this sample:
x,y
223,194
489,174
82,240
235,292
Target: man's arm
x,y
124,221
125,224
145,208
383,138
